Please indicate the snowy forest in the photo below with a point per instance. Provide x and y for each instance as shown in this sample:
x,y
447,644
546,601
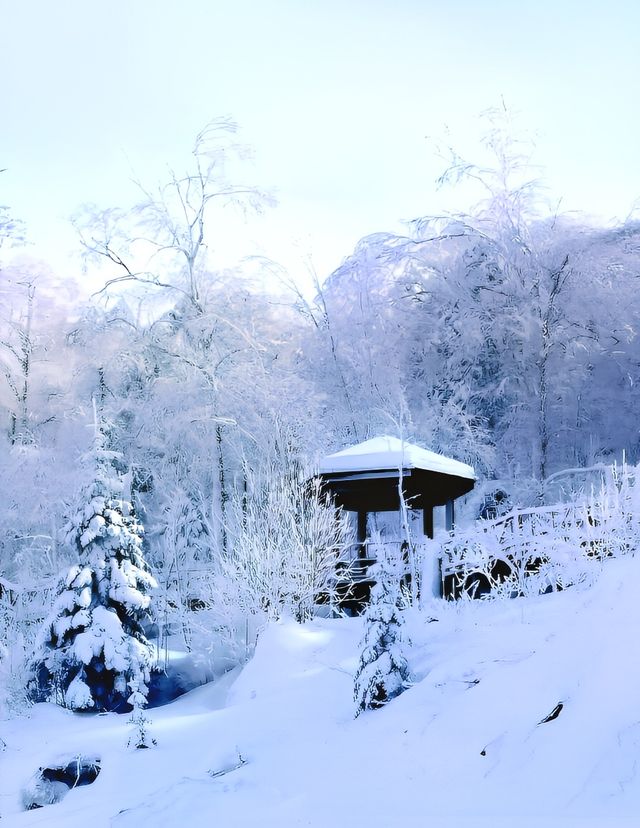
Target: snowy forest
x,y
505,337
164,418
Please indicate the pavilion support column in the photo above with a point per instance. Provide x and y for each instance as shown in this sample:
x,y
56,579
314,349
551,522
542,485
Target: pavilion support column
x,y
362,533
427,521
449,515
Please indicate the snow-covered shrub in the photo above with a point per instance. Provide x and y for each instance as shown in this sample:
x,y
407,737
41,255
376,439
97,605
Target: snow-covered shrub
x,y
20,613
4,659
283,548
92,652
185,547
14,673
382,672
184,564
140,738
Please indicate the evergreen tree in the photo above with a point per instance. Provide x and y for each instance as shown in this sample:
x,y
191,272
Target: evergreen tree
x,y
92,651
383,672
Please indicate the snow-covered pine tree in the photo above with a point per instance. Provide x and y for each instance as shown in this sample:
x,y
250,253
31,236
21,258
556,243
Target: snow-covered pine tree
x,y
382,672
92,651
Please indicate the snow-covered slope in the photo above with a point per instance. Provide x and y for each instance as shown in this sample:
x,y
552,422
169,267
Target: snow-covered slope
x,y
277,745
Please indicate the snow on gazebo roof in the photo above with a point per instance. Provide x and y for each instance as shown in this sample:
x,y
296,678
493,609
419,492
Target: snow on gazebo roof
x,y
392,453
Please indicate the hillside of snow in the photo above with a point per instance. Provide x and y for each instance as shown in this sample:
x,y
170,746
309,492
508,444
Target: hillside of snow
x,y
276,744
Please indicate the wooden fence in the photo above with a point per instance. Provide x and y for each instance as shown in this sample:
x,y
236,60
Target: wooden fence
x,y
538,549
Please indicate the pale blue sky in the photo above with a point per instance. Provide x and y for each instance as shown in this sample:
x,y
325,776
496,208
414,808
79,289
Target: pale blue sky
x,y
335,97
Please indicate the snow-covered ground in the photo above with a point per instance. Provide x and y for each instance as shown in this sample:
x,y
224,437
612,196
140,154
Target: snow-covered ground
x,y
277,744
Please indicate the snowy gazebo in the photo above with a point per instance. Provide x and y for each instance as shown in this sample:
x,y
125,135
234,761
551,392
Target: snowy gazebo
x,y
366,480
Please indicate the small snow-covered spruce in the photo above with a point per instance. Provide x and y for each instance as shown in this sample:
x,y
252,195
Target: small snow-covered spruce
x,y
92,652
382,672
140,738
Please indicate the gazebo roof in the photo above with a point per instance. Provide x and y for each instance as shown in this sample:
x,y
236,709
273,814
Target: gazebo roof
x,y
391,453
365,477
